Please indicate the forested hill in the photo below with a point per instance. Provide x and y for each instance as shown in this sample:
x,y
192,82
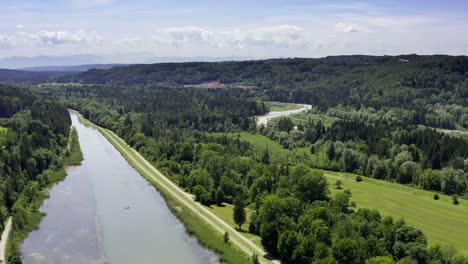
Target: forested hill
x,y
33,136
7,75
357,80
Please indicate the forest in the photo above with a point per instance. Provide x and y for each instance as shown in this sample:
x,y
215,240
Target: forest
x,y
409,154
183,132
432,89
34,133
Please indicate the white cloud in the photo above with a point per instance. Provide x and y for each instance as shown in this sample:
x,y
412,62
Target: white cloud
x,y
6,42
283,36
20,26
51,38
90,3
130,40
346,28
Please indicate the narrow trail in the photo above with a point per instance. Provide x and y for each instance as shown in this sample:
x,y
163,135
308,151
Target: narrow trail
x,y
186,199
4,239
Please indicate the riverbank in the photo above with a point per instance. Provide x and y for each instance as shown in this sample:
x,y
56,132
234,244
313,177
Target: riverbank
x,y
199,221
72,156
4,239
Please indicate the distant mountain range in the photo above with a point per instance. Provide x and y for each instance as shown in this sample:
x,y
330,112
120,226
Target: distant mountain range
x,y
80,63
40,61
77,68
7,75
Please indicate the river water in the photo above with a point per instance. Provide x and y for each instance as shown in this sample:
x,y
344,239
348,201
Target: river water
x,y
105,212
264,119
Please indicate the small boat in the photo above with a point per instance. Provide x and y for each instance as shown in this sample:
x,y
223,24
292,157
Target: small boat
x,y
127,207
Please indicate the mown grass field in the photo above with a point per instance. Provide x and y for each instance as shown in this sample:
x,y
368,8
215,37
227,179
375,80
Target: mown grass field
x,y
278,106
441,221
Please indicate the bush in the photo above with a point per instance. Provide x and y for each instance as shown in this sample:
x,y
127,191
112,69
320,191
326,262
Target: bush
x,y
255,259
359,178
455,200
353,204
226,237
338,184
436,197
348,192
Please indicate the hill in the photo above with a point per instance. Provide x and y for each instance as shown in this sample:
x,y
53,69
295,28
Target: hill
x,y
7,75
407,81
77,68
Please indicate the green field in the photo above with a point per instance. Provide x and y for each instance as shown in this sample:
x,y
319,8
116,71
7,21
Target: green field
x,y
440,220
260,143
278,106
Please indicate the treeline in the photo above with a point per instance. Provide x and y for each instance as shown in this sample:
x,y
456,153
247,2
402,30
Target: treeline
x,y
162,112
382,149
33,134
411,82
294,214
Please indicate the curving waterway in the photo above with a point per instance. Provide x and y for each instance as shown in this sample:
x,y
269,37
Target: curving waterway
x,y
105,212
264,119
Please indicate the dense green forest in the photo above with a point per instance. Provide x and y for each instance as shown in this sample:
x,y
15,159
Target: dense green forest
x,y
381,149
181,131
433,89
34,133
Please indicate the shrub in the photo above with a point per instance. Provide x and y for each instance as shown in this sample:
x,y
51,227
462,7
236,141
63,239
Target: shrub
x,y
359,178
436,197
455,200
226,237
348,192
338,184
255,259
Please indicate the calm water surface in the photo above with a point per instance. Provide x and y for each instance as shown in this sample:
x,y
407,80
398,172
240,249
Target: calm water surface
x,y
105,212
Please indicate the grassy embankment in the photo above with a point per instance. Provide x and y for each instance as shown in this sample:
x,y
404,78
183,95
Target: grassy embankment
x,y
440,220
71,157
205,234
225,213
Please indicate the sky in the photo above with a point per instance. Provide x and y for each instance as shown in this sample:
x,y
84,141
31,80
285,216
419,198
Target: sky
x,y
241,28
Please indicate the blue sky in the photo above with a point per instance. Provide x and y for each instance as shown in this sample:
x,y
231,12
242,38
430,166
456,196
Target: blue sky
x,y
255,28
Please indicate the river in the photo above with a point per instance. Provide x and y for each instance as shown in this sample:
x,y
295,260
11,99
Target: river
x,y
105,212
264,119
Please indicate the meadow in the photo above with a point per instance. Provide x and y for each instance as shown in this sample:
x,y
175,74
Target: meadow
x,y
440,220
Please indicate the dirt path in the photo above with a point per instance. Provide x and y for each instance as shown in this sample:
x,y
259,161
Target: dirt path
x,y
4,240
186,199
263,120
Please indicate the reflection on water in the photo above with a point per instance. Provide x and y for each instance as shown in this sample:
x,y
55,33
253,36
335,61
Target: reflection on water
x,y
105,212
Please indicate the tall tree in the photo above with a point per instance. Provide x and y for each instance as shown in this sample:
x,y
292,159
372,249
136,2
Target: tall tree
x,y
239,215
